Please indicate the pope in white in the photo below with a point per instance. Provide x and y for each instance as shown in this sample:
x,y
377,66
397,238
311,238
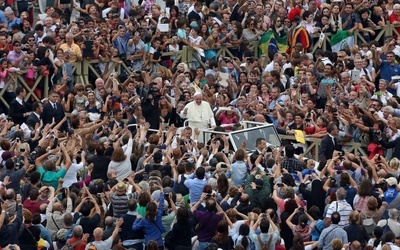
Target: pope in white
x,y
198,113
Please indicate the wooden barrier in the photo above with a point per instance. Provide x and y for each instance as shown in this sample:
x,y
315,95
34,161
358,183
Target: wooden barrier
x,y
387,30
82,70
15,79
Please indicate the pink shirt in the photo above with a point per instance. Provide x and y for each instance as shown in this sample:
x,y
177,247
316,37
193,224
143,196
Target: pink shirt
x,y
224,120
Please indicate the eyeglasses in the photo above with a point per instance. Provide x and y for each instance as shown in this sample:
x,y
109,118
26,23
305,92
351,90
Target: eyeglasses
x,y
17,45
31,40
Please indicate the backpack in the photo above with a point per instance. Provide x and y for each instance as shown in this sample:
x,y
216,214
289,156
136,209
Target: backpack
x,y
70,246
251,243
386,227
369,224
265,246
180,187
361,204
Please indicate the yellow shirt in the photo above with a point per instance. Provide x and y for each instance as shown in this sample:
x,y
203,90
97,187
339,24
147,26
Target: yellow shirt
x,y
75,49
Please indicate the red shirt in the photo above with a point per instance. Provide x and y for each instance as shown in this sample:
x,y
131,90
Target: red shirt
x,y
32,206
80,246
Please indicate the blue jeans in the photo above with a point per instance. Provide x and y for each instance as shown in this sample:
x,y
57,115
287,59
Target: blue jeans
x,y
203,245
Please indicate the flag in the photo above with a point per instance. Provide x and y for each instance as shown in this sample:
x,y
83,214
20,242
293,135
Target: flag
x,y
341,40
272,43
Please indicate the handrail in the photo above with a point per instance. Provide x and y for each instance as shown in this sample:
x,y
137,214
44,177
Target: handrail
x,y
83,69
315,143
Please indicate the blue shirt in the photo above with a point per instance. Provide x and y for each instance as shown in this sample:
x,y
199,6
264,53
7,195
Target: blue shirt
x,y
181,34
353,21
122,43
330,233
11,23
273,103
195,187
3,18
153,230
317,230
239,170
387,70
44,233
390,194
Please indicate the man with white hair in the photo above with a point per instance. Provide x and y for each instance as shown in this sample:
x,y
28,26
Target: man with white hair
x,y
198,112
382,93
341,206
391,223
48,24
99,83
72,51
78,239
98,234
11,18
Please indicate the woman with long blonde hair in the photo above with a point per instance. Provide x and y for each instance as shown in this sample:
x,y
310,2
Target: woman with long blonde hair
x,y
213,40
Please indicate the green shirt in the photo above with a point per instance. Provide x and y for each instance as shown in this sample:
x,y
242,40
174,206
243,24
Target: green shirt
x,y
141,210
51,177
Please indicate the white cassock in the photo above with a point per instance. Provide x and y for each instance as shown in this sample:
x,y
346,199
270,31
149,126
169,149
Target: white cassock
x,y
199,116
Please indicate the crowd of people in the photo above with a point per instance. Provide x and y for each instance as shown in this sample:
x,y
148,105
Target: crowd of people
x,y
122,163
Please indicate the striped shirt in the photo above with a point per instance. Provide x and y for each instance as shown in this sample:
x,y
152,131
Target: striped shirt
x,y
344,209
120,203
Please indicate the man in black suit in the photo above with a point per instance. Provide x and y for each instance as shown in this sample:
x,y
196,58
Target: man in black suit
x,y
118,122
53,109
235,16
195,14
18,108
34,117
261,148
329,143
390,144
137,111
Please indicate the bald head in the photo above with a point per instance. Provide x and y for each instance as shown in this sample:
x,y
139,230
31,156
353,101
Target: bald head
x,y
259,118
382,173
98,233
10,194
355,245
57,207
109,221
43,207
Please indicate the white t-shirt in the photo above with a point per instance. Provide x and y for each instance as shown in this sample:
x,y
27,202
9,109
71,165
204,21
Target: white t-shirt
x,y
70,176
106,11
397,84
